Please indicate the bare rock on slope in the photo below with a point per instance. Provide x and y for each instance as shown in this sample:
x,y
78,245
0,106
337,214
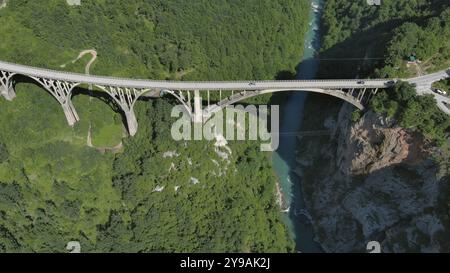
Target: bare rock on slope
x,y
376,182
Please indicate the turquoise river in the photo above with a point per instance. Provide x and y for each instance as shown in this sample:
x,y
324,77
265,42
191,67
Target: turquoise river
x,y
284,159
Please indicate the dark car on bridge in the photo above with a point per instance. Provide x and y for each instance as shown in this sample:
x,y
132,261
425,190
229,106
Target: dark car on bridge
x,y
390,83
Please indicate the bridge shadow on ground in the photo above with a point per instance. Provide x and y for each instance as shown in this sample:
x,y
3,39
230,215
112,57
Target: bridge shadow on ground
x,y
360,54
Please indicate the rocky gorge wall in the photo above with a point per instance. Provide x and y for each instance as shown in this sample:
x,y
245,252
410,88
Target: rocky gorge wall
x,y
371,180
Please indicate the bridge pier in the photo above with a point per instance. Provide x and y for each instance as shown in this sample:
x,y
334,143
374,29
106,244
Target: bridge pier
x,y
132,123
198,113
62,91
6,85
125,99
70,112
7,92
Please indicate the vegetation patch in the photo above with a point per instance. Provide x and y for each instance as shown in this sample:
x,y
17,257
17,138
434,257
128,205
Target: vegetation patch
x,y
413,112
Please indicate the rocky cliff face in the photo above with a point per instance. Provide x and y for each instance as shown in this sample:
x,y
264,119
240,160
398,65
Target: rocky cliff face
x,y
372,181
369,145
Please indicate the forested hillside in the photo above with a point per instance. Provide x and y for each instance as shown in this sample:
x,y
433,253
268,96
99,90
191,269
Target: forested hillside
x,y
378,41
384,37
159,39
151,193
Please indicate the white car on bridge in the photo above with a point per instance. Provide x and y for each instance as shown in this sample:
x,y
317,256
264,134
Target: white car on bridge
x,y
439,91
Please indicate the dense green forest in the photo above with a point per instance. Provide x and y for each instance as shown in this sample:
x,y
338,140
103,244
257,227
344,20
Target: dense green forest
x,y
151,193
54,189
211,40
413,112
378,40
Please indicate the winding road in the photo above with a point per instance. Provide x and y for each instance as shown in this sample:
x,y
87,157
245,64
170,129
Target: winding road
x,y
424,86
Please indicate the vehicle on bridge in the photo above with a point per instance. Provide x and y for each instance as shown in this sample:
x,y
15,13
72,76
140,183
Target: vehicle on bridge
x,y
439,91
390,83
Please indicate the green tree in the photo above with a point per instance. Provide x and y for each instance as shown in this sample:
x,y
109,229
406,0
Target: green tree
x,y
4,154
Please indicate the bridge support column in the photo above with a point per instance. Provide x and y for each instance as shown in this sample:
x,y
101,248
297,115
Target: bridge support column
x,y
6,85
7,92
70,112
132,123
361,95
62,91
125,99
371,95
198,113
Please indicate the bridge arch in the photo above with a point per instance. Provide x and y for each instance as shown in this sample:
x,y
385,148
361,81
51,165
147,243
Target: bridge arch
x,y
126,98
6,85
243,95
62,92
179,97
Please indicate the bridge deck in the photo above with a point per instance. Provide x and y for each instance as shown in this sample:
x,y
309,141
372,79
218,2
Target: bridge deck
x,y
181,85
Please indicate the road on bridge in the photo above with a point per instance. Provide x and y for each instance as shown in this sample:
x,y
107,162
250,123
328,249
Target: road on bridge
x,y
203,85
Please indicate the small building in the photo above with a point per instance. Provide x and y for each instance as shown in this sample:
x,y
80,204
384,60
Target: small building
x,y
374,2
412,58
74,2
2,3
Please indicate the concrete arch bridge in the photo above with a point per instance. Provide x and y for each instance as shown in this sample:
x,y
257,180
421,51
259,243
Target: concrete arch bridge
x,y
192,95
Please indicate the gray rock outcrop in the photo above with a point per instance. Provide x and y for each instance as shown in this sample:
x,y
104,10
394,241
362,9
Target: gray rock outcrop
x,y
376,182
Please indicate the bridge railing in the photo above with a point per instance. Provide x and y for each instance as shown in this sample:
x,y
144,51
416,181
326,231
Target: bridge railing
x,y
122,82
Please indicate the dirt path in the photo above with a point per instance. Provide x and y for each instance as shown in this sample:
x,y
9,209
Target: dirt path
x,y
88,65
82,53
417,68
89,138
87,68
